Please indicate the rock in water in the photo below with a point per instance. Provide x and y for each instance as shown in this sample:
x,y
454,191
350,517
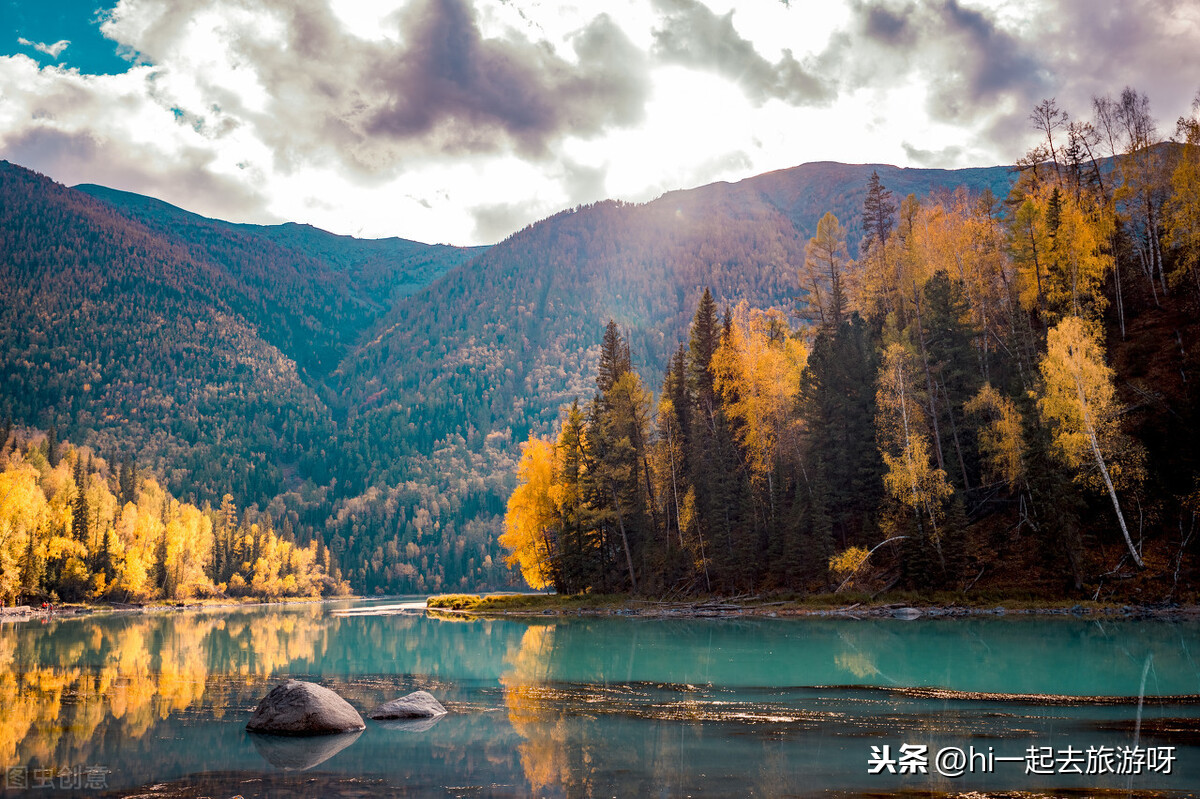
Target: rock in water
x,y
417,705
411,725
304,708
908,614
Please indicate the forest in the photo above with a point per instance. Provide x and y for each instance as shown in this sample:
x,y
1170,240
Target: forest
x,y
996,393
372,397
77,527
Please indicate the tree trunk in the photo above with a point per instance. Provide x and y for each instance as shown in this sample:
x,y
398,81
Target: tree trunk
x,y
1112,493
624,540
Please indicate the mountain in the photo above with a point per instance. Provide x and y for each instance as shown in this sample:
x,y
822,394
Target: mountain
x,y
311,292
374,393
804,193
500,347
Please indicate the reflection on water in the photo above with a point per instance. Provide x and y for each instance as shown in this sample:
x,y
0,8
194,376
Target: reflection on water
x,y
590,707
301,754
72,683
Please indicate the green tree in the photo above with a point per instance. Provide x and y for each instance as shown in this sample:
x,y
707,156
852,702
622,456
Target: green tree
x,y
879,211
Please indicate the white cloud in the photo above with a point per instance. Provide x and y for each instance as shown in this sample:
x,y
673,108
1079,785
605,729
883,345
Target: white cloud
x,y
461,120
52,50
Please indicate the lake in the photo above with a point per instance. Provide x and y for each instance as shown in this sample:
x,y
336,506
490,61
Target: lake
x,y
106,704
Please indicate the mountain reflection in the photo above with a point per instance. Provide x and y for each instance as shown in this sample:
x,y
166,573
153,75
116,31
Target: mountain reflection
x,y
68,685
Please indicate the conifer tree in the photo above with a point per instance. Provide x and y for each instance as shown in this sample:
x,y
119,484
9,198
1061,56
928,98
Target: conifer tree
x,y
79,508
837,404
52,446
879,211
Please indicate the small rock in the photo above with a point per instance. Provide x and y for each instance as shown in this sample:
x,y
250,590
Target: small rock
x,y
908,614
417,705
304,708
411,725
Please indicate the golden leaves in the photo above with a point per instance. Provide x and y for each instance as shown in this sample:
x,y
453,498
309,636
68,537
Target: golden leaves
x,y
531,512
1001,439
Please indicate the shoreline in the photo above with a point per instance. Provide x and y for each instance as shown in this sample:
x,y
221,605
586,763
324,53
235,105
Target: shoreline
x,y
550,605
510,605
80,609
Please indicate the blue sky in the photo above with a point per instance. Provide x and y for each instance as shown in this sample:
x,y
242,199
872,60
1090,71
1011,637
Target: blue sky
x,y
74,21
464,120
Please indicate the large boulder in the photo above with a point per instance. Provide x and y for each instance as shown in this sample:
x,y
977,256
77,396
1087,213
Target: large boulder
x,y
304,708
417,705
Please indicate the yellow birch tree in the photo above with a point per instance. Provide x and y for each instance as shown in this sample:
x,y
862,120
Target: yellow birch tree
x,y
903,432
532,514
1079,401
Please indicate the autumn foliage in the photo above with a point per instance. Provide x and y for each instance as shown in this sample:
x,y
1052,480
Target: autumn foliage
x,y
947,401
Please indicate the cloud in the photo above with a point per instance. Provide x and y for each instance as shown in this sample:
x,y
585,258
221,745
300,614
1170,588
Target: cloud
x,y
91,159
435,85
970,63
933,158
101,129
52,50
473,92
1098,49
691,35
495,221
982,73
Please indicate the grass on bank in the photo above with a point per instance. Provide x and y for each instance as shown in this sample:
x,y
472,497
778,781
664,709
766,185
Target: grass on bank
x,y
524,602
975,600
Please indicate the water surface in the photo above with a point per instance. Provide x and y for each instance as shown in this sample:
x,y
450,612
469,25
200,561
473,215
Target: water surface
x,y
157,703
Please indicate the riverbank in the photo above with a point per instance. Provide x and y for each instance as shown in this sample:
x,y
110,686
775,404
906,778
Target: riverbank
x,y
895,605
71,609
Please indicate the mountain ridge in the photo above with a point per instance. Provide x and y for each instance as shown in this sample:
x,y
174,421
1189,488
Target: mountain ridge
x,y
409,399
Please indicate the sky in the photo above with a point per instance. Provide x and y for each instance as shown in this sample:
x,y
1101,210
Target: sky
x,y
462,121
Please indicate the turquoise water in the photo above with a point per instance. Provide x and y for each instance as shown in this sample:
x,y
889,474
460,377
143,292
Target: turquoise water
x,y
597,707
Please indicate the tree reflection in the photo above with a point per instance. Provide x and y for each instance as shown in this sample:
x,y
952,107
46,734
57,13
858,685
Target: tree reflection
x,y
544,750
67,685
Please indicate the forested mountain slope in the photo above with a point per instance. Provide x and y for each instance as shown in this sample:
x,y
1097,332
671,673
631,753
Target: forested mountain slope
x,y
310,292
130,340
373,394
804,193
525,321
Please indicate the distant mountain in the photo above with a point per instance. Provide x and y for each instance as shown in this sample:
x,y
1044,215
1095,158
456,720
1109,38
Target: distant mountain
x,y
502,346
804,193
374,392
312,293
128,340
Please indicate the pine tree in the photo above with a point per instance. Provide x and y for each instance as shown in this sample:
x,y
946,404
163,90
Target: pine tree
x,y
79,509
127,481
579,549
703,343
614,358
52,446
837,404
879,211
953,372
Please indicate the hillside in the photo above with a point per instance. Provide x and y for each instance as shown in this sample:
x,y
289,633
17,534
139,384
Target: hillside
x,y
804,193
374,394
312,293
129,341
526,320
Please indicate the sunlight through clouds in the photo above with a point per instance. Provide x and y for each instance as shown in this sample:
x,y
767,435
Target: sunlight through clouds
x,y
465,116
